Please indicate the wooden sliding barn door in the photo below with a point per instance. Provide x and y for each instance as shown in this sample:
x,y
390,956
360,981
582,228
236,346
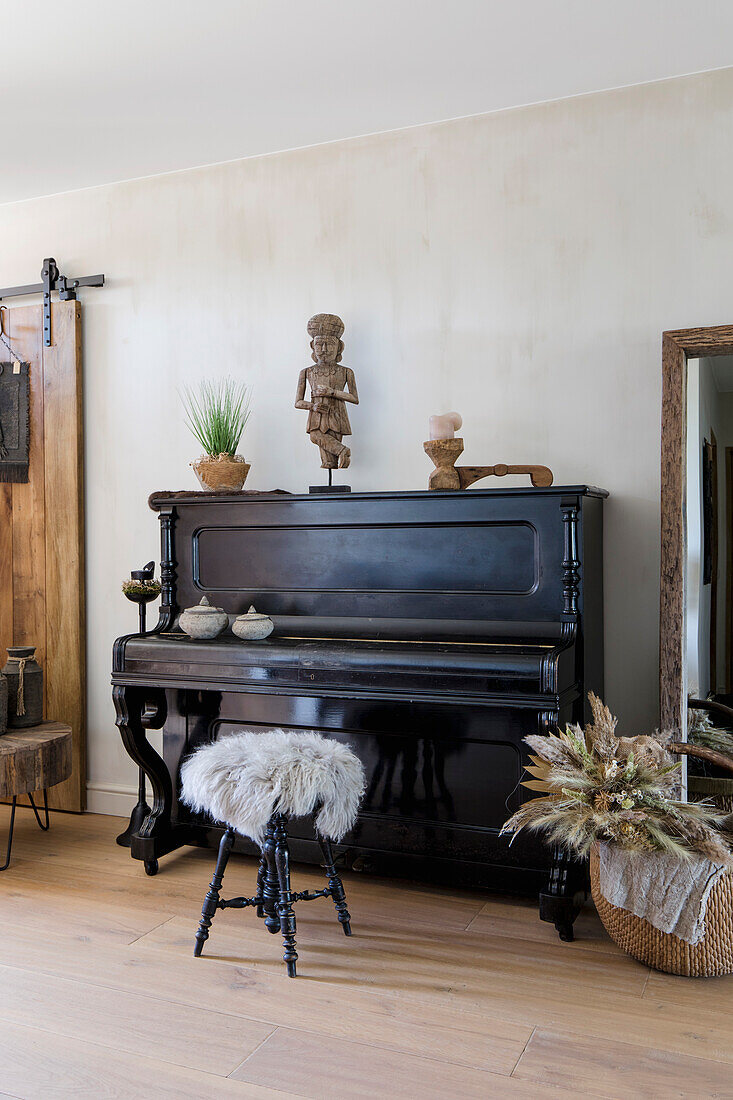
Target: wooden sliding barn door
x,y
42,528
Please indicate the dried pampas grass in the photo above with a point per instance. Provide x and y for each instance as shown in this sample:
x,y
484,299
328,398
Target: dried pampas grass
x,y
596,785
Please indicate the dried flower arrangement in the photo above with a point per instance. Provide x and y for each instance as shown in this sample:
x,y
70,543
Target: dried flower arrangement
x,y
701,731
597,786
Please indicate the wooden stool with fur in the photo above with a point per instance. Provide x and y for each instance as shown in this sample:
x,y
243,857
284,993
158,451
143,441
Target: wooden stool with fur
x,y
251,782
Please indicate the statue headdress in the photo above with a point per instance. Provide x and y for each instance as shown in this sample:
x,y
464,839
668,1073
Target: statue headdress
x,y
326,324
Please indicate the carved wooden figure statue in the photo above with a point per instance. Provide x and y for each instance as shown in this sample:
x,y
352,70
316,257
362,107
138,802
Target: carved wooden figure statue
x,y
331,386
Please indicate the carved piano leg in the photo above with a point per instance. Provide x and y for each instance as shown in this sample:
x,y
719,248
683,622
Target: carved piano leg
x,y
565,894
139,710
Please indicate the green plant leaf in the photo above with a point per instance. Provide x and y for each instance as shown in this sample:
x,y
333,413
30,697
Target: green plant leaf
x,y
217,414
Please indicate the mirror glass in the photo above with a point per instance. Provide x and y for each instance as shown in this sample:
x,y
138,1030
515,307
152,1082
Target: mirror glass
x,y
709,528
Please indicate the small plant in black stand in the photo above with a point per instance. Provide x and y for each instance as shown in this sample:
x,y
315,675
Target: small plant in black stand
x,y
141,589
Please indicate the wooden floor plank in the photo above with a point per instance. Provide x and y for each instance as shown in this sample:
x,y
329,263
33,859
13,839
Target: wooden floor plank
x,y
51,900
336,1009
187,873
314,1066
39,1065
129,1022
517,919
697,995
379,956
619,1070
531,1000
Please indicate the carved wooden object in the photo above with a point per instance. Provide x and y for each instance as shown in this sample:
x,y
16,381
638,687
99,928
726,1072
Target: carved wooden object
x,y
446,475
331,388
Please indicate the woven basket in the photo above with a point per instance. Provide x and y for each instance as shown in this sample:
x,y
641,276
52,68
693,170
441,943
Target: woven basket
x,y
663,950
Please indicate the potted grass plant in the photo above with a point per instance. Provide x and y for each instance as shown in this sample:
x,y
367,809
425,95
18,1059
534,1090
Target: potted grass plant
x,y
217,414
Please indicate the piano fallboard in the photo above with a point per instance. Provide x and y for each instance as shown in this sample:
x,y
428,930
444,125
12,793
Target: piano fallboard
x,y
357,665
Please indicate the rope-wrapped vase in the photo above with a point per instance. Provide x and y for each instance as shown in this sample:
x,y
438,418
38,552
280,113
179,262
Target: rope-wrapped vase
x,y
712,956
25,687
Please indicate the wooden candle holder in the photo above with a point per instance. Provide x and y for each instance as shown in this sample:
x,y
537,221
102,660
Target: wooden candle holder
x,y
445,452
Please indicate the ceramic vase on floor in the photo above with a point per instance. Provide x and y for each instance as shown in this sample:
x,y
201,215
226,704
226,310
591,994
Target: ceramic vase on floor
x,y
25,687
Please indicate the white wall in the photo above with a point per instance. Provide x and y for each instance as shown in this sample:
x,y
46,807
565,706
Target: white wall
x,y
518,267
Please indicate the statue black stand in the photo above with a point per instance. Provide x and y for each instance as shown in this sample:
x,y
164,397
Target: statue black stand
x,y
330,488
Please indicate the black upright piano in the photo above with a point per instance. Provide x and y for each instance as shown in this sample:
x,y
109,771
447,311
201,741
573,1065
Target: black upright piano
x,y
431,631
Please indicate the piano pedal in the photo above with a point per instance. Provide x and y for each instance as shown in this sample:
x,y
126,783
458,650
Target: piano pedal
x,y
362,865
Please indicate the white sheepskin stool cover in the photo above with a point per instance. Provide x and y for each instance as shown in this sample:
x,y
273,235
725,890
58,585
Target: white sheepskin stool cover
x,y
244,778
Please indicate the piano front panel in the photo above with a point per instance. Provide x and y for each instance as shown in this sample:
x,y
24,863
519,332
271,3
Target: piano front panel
x,y
439,779
489,557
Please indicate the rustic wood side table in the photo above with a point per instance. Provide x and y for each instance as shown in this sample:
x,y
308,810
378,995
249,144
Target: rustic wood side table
x,y
33,759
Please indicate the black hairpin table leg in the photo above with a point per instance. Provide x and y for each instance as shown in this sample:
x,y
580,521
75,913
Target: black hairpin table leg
x,y
6,864
45,810
41,825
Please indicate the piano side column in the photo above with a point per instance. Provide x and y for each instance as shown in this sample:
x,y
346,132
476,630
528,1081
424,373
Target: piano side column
x,y
567,887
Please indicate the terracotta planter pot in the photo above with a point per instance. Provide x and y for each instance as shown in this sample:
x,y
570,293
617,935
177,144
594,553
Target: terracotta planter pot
x,y
225,472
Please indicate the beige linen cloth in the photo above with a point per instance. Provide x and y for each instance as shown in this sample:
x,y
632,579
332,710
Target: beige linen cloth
x,y
670,893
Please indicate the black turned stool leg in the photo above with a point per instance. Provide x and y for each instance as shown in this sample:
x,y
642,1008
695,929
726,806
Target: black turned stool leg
x,y
270,885
261,872
285,903
335,885
210,901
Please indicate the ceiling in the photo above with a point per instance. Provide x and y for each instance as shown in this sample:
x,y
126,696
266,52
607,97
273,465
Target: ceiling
x,y
104,90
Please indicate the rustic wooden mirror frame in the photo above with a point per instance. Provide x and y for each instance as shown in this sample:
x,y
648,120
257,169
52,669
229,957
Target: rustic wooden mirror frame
x,y
677,347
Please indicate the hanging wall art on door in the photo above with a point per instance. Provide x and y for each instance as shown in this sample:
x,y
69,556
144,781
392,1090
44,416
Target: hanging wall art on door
x,y
14,420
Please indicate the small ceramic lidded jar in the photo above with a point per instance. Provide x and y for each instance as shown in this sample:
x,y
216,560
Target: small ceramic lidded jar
x,y
253,627
25,687
203,621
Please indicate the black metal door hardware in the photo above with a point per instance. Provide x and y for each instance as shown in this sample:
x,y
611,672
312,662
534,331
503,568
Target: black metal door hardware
x,y
52,280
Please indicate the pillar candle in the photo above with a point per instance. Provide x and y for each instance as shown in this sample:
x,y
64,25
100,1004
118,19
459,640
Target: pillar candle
x,y
445,425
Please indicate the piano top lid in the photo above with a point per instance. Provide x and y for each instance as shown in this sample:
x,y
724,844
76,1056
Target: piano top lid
x,y
162,497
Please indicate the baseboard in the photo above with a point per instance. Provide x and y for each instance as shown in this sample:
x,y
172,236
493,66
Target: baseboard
x,y
114,799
